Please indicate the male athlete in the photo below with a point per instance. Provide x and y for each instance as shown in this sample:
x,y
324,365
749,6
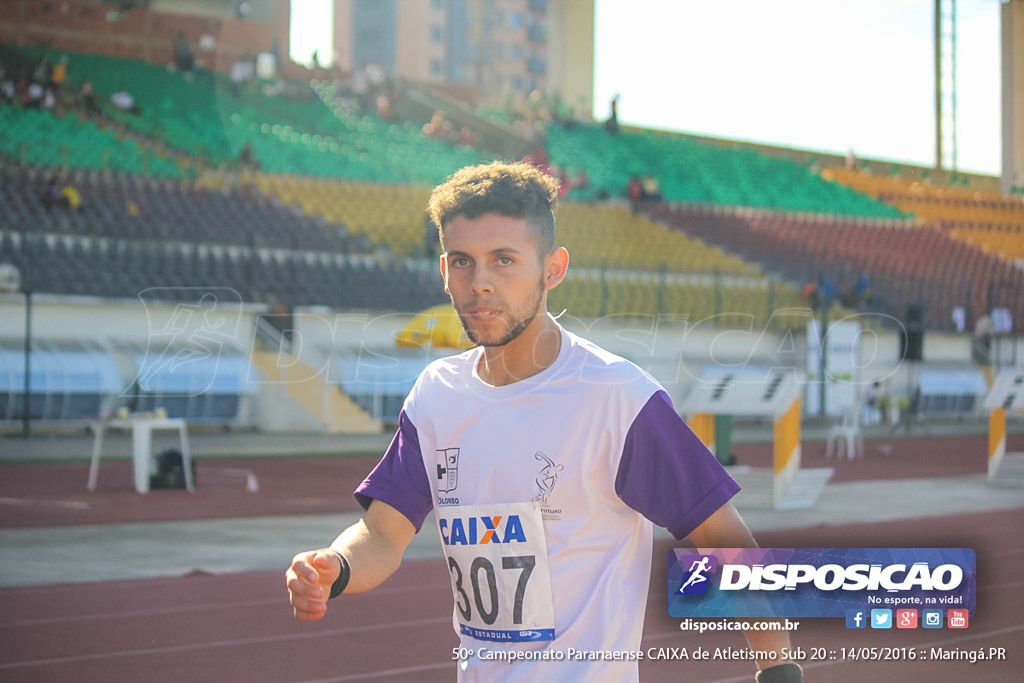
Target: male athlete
x,y
566,455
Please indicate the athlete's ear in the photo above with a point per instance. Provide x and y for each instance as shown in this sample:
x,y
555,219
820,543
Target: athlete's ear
x,y
555,266
444,272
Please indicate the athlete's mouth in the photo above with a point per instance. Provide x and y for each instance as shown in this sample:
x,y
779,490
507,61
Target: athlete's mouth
x,y
483,313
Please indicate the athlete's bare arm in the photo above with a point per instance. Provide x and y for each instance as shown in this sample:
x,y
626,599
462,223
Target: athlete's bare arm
x,y
725,529
373,547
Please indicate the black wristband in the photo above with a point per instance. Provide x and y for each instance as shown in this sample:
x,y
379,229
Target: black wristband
x,y
338,587
789,672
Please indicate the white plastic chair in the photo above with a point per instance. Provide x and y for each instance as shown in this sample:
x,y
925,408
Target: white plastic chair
x,y
846,435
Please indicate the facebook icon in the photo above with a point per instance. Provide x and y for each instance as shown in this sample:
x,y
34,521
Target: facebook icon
x,y
856,618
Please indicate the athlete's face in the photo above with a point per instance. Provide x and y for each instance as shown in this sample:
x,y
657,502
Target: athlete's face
x,y
496,279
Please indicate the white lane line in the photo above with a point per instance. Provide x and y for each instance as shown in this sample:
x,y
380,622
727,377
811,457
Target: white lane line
x,y
258,640
383,674
31,502
184,609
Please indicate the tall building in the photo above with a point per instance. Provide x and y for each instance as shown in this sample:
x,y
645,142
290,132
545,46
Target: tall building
x,y
1012,17
483,51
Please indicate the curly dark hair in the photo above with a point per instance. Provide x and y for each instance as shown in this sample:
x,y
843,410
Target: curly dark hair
x,y
517,190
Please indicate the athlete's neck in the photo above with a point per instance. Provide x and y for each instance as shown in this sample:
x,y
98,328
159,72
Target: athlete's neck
x,y
532,352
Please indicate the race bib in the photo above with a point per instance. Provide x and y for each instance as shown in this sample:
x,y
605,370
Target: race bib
x,y
498,561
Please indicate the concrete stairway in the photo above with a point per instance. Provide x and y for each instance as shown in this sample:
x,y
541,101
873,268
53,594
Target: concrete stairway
x,y
298,398
1011,471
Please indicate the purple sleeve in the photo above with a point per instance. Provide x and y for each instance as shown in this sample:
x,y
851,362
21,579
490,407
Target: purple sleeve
x,y
667,474
399,478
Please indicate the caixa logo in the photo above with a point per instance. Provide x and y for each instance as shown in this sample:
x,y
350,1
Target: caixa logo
x,y
482,530
696,579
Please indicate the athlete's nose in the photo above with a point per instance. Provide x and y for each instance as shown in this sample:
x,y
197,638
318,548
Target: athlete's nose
x,y
481,282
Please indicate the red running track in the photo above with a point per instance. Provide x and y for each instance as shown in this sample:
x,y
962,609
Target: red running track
x,y
239,627
43,494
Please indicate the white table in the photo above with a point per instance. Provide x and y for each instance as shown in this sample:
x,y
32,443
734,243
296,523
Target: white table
x,y
142,447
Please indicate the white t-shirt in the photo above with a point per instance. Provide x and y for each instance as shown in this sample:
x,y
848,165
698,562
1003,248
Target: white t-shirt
x,y
545,491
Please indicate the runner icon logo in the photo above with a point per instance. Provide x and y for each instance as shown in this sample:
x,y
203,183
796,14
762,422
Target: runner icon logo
x,y
696,580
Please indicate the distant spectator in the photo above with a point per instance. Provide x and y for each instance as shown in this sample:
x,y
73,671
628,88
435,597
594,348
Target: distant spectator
x,y
652,189
433,129
184,60
50,193
124,101
583,180
862,292
33,97
1002,320
809,293
243,73
539,158
384,108
612,124
59,75
7,90
87,98
959,317
41,72
872,394
467,137
535,109
66,199
275,51
247,158
981,343
872,413
635,192
361,89
827,290
562,174
376,76
431,238
69,199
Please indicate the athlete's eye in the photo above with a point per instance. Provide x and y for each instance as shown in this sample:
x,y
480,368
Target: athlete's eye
x,y
458,262
505,261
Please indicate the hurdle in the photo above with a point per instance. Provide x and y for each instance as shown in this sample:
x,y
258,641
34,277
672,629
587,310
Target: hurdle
x,y
1005,396
774,394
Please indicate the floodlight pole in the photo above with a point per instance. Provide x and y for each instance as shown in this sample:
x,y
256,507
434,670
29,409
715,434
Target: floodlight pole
x,y
943,50
26,422
826,305
26,428
938,84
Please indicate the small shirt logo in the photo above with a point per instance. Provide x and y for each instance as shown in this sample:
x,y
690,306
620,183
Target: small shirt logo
x,y
547,478
447,470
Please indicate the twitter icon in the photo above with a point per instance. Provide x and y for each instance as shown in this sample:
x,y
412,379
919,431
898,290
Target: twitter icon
x,y
881,618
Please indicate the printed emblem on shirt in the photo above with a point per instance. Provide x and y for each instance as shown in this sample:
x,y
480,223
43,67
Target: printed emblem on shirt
x,y
447,475
546,480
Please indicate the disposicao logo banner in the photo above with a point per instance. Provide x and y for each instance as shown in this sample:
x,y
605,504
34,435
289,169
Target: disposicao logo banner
x,y
817,582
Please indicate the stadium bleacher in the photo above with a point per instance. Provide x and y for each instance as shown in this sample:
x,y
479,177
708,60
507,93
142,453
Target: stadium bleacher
x,y
330,213
988,220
